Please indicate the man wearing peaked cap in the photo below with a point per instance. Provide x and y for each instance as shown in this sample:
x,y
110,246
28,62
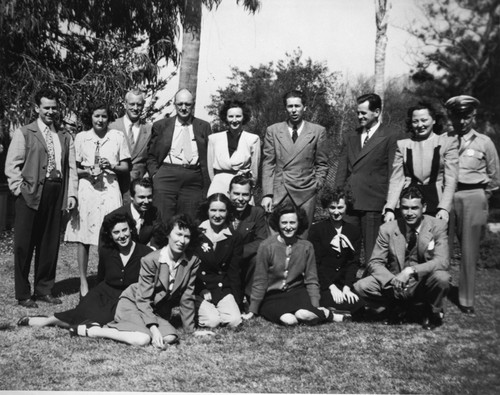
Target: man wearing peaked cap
x,y
478,176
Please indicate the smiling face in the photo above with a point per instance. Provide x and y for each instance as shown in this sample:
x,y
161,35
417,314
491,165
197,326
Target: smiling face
x,y
134,104
413,211
295,110
178,240
337,210
143,198
422,123
100,120
240,195
366,117
463,122
121,234
288,225
235,119
217,214
47,110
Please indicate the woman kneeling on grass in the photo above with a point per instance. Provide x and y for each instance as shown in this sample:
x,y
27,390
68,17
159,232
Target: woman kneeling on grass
x,y
285,287
119,265
166,280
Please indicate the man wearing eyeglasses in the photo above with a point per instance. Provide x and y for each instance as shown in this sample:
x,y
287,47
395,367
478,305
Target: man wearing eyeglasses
x,y
177,159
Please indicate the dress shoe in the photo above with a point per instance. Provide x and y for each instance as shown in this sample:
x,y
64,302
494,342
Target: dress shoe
x,y
49,299
466,309
25,321
28,303
82,329
432,321
395,316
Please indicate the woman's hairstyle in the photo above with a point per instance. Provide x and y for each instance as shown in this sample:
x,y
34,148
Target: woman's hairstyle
x,y
216,197
162,231
228,104
89,111
435,115
109,223
287,208
329,195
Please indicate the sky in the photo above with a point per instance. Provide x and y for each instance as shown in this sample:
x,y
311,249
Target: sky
x,y
338,33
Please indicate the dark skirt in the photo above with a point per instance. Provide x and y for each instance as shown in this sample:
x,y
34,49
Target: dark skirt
x,y
327,301
277,303
99,305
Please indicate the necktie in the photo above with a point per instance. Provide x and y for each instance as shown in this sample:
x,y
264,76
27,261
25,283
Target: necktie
x,y
295,135
366,138
186,143
51,165
139,223
412,240
131,136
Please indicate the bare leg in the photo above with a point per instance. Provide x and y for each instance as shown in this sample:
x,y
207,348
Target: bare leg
x,y
83,262
47,321
288,319
306,316
133,338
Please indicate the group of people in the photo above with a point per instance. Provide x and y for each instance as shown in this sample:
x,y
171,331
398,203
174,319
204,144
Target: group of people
x,y
176,188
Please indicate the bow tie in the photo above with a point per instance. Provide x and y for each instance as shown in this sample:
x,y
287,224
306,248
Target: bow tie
x,y
340,241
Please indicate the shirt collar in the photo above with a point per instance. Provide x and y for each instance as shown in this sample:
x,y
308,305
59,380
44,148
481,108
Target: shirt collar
x,y
42,126
166,257
373,129
127,122
135,214
178,122
211,235
469,135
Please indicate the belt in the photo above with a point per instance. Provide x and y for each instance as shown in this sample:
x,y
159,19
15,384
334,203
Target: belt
x,y
234,172
467,187
185,166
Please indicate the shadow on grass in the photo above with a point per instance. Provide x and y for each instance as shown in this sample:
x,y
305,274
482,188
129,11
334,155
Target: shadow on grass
x,y
71,285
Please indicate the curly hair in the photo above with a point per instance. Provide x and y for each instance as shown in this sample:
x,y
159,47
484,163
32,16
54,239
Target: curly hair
x,y
161,232
109,223
47,93
216,197
329,195
288,208
228,104
435,115
91,108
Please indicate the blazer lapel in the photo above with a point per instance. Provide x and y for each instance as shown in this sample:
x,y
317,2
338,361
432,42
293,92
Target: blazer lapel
x,y
141,142
38,134
399,243
285,139
180,275
164,276
304,138
424,238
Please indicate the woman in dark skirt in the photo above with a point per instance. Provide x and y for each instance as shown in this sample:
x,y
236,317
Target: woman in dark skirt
x,y
285,287
336,246
119,265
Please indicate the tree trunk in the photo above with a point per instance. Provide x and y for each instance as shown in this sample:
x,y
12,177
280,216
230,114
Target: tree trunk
x,y
190,57
381,18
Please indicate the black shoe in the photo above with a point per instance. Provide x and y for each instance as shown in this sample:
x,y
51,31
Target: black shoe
x,y
25,321
49,299
395,317
28,303
466,309
432,321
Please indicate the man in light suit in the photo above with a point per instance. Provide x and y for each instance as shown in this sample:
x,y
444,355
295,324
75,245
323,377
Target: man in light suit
x,y
137,133
177,159
409,263
365,168
295,166
41,171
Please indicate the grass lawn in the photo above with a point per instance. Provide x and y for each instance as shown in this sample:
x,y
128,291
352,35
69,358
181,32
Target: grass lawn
x,y
463,356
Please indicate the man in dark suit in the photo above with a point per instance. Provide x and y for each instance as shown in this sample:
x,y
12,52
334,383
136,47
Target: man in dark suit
x,y
41,171
177,159
250,222
365,168
141,209
409,263
295,165
137,133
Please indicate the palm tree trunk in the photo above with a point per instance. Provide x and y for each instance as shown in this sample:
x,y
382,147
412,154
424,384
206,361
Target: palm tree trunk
x,y
381,18
190,57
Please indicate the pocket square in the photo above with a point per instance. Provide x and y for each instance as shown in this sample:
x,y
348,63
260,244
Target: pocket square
x,y
430,246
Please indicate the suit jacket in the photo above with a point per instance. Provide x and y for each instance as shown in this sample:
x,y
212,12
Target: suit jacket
x,y
339,268
253,230
367,170
422,156
151,294
26,164
296,169
388,257
152,217
161,141
219,270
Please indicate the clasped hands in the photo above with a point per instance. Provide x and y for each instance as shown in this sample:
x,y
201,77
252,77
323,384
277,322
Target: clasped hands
x,y
400,282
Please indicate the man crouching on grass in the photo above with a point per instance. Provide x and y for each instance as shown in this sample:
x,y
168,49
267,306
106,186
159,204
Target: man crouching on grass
x,y
409,264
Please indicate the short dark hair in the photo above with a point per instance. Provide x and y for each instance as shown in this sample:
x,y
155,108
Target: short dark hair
x,y
374,101
295,93
161,231
228,104
109,223
242,179
435,115
216,197
48,94
145,182
412,192
329,195
94,106
288,208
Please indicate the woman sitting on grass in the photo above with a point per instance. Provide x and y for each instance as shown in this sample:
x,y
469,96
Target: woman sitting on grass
x,y
119,265
285,286
218,283
166,280
336,246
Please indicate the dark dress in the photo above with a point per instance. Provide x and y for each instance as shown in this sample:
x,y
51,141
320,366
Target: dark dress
x,y
99,304
336,267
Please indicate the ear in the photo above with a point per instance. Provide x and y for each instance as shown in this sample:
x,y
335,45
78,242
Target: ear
x,y
424,208
37,109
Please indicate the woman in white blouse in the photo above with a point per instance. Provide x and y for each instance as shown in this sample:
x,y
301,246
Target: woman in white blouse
x,y
234,151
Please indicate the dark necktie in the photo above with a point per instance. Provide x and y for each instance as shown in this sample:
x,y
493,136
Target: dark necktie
x,y
366,139
295,135
412,240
